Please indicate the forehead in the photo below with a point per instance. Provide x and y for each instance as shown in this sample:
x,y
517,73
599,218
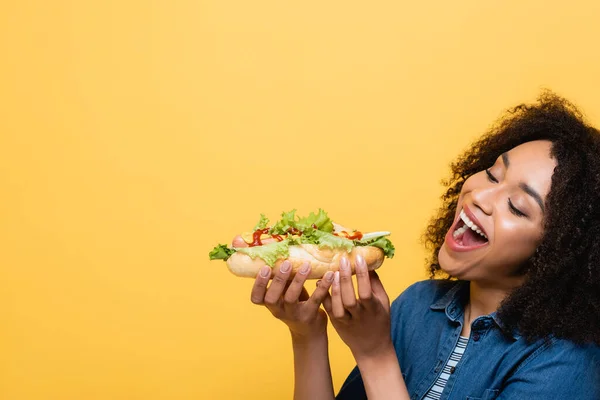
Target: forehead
x,y
530,154
532,163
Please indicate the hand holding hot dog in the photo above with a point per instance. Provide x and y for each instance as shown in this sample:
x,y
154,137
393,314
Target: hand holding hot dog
x,y
290,302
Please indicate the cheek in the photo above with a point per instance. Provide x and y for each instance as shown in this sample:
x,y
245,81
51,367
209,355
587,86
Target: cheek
x,y
515,240
475,181
468,185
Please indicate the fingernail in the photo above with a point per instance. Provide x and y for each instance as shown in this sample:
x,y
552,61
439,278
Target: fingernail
x,y
304,268
328,276
265,271
318,282
344,264
285,266
337,277
360,261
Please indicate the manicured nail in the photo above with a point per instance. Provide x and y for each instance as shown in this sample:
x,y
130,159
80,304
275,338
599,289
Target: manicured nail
x,y
328,276
344,264
265,271
360,261
285,266
337,277
304,269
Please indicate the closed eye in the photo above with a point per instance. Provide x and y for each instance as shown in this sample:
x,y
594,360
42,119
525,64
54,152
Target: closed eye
x,y
515,210
511,206
491,177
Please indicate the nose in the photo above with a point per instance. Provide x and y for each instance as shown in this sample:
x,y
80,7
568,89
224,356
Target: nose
x,y
483,198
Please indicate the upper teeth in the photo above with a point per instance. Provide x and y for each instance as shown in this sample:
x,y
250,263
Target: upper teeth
x,y
468,224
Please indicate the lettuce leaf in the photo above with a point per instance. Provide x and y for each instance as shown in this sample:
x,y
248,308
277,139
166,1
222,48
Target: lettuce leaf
x,y
325,239
382,242
262,224
286,222
320,220
221,252
268,252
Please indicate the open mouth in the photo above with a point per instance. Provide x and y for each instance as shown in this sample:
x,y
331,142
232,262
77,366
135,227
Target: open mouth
x,y
467,235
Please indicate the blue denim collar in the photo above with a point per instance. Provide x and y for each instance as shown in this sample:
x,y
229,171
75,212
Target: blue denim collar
x,y
453,303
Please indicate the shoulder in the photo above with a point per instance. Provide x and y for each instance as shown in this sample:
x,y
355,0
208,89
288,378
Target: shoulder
x,y
564,352
558,369
564,359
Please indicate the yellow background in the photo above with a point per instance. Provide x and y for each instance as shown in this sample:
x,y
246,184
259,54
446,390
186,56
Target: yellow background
x,y
137,135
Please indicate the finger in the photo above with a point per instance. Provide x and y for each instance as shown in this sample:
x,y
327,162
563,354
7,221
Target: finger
x,y
363,281
278,285
257,296
378,290
303,295
327,304
292,294
337,306
346,286
320,293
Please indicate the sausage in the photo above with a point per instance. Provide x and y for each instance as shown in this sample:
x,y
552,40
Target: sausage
x,y
238,242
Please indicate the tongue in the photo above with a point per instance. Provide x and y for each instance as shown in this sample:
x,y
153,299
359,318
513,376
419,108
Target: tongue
x,y
471,238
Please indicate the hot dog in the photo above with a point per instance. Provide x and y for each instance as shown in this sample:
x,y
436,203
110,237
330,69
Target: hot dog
x,y
315,239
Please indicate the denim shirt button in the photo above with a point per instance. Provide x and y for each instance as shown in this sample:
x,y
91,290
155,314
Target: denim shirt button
x,y
480,324
476,336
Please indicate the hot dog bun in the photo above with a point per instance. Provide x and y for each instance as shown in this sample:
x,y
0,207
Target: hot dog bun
x,y
321,260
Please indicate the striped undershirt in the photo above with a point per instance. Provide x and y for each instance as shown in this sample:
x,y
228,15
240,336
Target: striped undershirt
x,y
435,393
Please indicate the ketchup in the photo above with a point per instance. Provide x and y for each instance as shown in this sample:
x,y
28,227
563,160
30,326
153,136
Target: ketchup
x,y
256,237
295,231
356,236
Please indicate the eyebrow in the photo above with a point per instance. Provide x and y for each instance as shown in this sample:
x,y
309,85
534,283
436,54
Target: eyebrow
x,y
505,159
525,187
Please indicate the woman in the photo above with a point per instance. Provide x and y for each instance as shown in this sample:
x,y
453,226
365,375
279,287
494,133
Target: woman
x,y
519,237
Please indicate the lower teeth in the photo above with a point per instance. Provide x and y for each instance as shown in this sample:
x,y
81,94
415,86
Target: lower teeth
x,y
460,231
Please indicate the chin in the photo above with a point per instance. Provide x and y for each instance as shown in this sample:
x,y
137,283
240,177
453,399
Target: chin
x,y
454,268
445,261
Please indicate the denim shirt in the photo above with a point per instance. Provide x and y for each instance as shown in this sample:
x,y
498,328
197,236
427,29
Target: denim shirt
x,y
427,320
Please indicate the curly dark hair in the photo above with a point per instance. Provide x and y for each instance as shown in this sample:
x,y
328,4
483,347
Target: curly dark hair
x,y
561,293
